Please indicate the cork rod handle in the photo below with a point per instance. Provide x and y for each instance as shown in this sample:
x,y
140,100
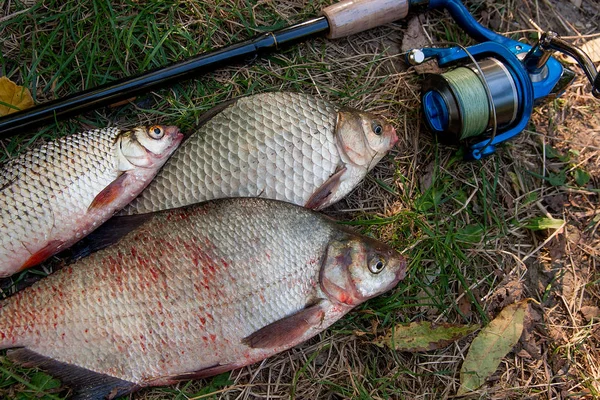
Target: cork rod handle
x,y
352,16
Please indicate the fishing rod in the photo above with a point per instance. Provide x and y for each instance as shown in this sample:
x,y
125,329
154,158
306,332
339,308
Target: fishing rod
x,y
338,20
485,99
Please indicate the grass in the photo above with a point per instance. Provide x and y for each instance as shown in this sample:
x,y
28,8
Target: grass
x,y
463,226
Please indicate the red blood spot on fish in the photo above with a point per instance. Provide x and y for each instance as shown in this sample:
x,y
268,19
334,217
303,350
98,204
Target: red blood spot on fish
x,y
213,337
154,274
43,254
344,298
86,331
205,339
209,315
202,320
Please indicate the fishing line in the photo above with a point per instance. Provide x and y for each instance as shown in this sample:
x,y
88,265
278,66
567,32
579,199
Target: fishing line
x,y
469,86
471,90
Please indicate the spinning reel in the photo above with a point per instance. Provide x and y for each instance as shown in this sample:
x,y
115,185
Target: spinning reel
x,y
488,96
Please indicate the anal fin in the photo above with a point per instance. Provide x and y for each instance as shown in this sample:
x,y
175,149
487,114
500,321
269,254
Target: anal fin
x,y
43,254
85,384
324,192
289,329
186,376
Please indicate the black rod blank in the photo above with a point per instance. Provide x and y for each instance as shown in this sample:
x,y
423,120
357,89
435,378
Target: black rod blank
x,y
129,87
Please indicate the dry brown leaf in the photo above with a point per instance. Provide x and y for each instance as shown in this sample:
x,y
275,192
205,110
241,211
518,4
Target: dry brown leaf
x,y
591,48
13,97
590,312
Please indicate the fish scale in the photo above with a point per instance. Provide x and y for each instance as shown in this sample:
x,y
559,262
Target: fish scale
x,y
283,146
182,291
50,196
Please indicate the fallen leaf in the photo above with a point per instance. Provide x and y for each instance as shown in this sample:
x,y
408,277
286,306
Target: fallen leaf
x,y
541,223
590,312
423,336
491,345
13,97
591,48
464,303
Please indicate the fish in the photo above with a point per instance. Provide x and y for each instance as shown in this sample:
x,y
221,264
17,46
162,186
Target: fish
x,y
56,193
286,146
194,292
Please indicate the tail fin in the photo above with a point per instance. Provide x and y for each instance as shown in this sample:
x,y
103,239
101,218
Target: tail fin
x,y
85,384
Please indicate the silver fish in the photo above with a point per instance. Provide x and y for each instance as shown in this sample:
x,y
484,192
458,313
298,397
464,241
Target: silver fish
x,y
285,146
194,292
55,194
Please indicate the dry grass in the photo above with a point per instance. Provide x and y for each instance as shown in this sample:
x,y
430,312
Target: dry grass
x,y
462,224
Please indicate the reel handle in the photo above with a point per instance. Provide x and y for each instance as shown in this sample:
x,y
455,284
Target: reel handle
x,y
549,42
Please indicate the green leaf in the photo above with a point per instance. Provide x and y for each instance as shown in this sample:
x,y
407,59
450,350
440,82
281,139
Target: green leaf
x,y
551,152
581,177
44,381
470,233
423,336
557,179
491,345
541,223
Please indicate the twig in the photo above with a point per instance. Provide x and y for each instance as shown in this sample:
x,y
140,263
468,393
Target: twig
x,y
10,16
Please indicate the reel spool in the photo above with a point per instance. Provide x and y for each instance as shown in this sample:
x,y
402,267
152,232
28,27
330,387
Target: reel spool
x,y
462,103
487,96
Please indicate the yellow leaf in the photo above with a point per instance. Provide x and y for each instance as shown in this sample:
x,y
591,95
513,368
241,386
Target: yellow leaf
x,y
423,336
491,345
13,97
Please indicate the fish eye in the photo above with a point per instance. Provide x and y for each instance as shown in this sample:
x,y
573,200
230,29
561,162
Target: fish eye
x,y
156,132
376,266
377,129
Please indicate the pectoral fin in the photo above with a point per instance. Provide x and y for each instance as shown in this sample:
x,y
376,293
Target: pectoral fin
x,y
86,384
109,194
324,192
287,330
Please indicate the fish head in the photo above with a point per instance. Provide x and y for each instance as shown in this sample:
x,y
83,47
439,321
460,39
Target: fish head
x,y
147,146
363,138
357,268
